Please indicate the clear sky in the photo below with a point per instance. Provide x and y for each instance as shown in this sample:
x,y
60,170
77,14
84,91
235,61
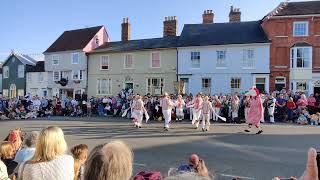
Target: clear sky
x,y
31,26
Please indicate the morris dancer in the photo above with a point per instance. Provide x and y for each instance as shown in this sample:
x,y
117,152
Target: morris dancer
x,y
255,113
206,111
271,104
138,110
196,105
167,106
179,108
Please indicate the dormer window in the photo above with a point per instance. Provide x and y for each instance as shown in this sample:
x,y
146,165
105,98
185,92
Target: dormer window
x,y
97,41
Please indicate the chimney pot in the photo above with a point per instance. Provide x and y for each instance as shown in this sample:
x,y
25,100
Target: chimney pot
x,y
234,14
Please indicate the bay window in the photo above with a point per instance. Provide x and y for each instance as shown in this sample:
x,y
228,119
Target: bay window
x,y
300,57
155,86
77,75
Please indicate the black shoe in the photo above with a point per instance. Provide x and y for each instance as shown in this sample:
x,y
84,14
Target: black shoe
x,y
246,130
139,127
166,129
203,130
259,132
207,130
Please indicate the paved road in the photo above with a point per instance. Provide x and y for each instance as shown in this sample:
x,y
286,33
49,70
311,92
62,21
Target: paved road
x,y
279,151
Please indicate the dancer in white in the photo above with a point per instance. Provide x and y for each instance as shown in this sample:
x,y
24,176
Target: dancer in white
x,y
197,106
179,108
138,110
271,104
206,111
217,106
167,106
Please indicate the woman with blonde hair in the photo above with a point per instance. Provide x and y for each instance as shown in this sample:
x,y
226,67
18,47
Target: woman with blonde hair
x,y
112,161
7,153
49,160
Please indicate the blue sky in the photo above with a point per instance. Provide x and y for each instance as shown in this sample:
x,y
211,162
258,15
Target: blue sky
x,y
31,26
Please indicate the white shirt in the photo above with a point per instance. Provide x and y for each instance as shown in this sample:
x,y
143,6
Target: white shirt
x,y
60,168
3,171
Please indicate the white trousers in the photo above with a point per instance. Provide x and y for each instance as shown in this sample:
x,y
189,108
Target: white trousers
x,y
271,113
167,117
234,114
196,117
215,115
246,111
179,112
138,116
205,121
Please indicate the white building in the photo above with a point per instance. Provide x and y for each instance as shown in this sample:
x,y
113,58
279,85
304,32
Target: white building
x,y
37,81
223,57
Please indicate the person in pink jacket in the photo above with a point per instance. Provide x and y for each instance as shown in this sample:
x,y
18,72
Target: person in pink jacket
x,y
255,113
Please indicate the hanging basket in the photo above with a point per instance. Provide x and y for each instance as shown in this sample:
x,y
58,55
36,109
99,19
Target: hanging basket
x,y
77,81
63,81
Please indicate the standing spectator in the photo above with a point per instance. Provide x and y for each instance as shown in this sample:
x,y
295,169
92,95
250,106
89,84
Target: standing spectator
x,y
80,155
290,107
49,160
312,104
281,109
112,161
247,101
235,105
27,152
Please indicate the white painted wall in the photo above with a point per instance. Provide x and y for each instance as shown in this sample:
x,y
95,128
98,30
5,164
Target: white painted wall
x,y
220,78
36,87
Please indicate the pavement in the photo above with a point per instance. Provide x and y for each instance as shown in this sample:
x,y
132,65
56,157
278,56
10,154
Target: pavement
x,y
227,151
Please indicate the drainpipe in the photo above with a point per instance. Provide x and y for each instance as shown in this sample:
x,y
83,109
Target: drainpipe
x,y
86,90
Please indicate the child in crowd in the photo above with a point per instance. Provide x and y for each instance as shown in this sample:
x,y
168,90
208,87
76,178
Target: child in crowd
x,y
303,117
314,119
80,155
290,107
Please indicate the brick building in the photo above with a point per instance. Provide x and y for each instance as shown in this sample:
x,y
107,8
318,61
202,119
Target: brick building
x,y
294,29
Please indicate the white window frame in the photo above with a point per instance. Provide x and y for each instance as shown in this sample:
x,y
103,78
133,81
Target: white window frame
x,y
206,89
248,61
40,77
21,71
194,58
55,58
151,60
72,54
125,61
79,73
108,62
294,28
99,84
293,57
302,82
149,89
53,75
6,72
279,77
221,63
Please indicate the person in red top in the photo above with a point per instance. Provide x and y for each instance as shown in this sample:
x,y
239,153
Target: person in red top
x,y
290,107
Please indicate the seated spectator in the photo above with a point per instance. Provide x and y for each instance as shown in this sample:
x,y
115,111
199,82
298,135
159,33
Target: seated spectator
x,y
314,119
7,154
112,161
3,171
187,176
27,152
49,160
303,117
196,165
80,155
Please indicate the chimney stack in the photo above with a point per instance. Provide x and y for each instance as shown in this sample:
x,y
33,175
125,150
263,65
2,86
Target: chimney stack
x,y
170,26
207,17
125,30
234,15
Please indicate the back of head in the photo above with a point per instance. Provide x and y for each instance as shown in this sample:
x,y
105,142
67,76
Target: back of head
x,y
31,139
6,150
51,143
110,161
79,151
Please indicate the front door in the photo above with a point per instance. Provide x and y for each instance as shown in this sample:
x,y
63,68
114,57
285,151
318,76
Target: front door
x,y
185,89
13,91
128,86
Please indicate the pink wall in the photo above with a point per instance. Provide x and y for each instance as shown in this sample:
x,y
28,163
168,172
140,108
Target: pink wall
x,y
102,36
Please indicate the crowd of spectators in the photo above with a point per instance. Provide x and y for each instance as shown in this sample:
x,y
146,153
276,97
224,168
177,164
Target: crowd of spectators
x,y
279,106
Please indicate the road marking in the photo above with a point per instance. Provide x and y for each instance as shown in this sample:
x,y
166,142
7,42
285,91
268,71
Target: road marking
x,y
137,164
234,176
